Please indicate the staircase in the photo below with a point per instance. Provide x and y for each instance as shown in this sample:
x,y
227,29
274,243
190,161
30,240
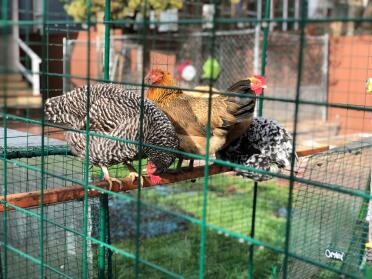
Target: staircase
x,y
18,92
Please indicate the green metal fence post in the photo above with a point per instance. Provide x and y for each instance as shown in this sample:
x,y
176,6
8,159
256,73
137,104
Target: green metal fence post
x,y
104,208
4,11
264,51
252,233
4,272
44,90
260,109
86,161
208,132
293,155
144,26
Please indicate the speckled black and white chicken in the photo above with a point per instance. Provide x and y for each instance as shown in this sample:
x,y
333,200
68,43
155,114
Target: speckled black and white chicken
x,y
115,111
265,146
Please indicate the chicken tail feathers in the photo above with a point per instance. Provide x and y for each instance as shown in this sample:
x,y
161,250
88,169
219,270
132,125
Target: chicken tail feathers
x,y
246,110
242,86
66,109
246,104
265,145
55,110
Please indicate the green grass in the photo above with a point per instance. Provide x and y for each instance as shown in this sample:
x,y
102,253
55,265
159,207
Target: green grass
x,y
226,257
229,205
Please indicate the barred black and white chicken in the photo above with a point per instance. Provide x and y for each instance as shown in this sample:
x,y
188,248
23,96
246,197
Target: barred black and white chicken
x,y
115,111
265,145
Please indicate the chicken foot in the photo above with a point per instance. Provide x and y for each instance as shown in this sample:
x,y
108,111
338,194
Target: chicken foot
x,y
106,176
133,174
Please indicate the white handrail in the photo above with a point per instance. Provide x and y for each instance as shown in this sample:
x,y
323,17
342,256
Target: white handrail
x,y
34,76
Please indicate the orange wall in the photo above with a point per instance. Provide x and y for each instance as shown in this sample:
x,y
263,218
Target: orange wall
x,y
350,65
158,59
79,66
163,60
79,54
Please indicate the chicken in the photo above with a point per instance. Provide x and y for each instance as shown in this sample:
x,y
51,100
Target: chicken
x,y
265,145
202,91
115,111
189,114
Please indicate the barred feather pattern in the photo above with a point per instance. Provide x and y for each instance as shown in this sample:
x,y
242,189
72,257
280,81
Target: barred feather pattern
x,y
70,109
265,146
114,111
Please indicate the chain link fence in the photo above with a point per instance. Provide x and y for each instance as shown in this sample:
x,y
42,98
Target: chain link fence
x,y
235,52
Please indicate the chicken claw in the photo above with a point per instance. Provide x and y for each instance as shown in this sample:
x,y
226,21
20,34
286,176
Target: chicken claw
x,y
110,179
133,176
118,181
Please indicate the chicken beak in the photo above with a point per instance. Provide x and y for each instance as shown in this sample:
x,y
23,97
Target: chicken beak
x,y
264,86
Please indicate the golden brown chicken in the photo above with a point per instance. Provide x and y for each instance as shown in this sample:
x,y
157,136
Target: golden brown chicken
x,y
230,115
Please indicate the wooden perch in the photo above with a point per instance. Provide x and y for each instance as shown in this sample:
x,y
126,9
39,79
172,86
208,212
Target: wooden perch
x,y
308,152
76,192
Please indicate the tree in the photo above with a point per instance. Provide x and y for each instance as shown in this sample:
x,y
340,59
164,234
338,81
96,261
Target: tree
x,y
119,8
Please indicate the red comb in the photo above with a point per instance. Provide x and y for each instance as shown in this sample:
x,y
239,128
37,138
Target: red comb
x,y
261,78
258,85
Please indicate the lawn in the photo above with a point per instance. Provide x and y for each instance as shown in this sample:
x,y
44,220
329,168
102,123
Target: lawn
x,y
229,207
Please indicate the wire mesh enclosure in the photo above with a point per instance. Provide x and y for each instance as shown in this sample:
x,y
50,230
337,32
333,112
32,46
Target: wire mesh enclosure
x,y
305,214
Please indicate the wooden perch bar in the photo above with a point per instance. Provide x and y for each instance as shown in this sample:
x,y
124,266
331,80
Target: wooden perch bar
x,y
76,192
308,152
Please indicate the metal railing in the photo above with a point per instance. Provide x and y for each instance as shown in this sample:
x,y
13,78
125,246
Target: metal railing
x,y
32,76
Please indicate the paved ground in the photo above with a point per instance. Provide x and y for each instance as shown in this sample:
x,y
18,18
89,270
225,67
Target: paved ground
x,y
35,129
16,138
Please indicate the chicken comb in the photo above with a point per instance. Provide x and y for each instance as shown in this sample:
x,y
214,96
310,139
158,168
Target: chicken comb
x,y
262,79
258,83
